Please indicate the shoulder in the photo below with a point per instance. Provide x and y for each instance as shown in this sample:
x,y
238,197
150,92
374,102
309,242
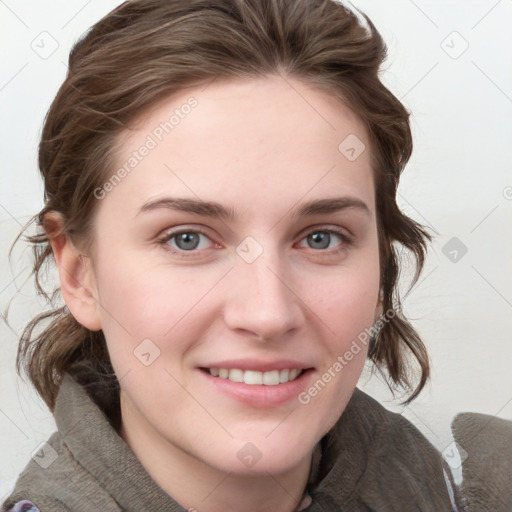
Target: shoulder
x,y
401,466
378,423
392,437
54,481
23,506
35,485
484,443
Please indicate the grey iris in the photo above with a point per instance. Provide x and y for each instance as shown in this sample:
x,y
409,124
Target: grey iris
x,y
187,240
323,239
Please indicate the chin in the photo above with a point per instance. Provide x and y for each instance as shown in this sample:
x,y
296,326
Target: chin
x,y
251,459
273,450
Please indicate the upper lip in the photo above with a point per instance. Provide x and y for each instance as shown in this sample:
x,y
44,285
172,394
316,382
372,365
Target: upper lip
x,y
258,365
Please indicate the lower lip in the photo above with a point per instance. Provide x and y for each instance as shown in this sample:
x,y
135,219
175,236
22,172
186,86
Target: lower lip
x,y
260,395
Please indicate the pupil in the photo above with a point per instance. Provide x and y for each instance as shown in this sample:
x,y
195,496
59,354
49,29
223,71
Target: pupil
x,y
321,238
187,241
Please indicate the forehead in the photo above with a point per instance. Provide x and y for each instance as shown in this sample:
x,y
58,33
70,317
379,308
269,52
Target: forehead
x,y
269,136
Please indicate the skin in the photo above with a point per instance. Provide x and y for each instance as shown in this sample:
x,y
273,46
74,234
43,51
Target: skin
x,y
261,147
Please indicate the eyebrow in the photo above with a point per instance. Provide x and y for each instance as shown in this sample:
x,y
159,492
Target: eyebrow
x,y
332,205
197,206
217,210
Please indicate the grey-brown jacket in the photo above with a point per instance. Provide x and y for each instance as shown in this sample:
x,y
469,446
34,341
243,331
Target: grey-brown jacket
x,y
372,460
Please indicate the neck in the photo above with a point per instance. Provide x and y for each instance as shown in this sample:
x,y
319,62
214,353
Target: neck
x,y
197,486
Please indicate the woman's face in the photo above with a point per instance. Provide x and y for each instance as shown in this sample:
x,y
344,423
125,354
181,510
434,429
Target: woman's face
x,y
239,241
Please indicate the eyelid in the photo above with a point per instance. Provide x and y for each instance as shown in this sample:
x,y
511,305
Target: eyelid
x,y
169,233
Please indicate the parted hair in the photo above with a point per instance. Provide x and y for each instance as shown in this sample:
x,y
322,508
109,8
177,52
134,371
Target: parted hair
x,y
144,51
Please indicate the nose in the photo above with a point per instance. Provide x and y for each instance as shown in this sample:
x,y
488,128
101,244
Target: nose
x,y
262,298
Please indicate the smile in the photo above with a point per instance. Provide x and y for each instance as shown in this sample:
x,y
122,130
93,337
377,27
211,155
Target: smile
x,y
255,378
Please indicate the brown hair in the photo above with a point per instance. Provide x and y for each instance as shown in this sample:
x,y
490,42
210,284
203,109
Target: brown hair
x,y
145,50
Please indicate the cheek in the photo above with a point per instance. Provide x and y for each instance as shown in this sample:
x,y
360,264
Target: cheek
x,y
134,295
347,311
346,303
352,314
155,303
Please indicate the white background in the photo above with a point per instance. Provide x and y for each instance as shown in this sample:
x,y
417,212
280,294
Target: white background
x,y
459,183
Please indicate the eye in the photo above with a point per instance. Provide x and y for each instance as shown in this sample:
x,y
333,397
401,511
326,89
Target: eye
x,y
323,238
185,240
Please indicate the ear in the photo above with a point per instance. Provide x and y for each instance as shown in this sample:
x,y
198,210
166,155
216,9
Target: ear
x,y
76,274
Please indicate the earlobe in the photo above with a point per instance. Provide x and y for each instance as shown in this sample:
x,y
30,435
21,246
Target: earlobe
x,y
76,274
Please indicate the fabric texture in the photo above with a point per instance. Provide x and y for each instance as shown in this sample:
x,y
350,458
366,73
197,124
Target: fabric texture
x,y
485,447
372,460
24,506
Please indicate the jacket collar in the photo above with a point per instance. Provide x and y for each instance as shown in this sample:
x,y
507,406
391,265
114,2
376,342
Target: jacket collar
x,y
369,458
84,427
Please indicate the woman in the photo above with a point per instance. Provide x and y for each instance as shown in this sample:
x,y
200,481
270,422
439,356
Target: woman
x,y
220,182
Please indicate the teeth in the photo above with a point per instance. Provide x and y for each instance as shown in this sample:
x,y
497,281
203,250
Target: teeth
x,y
236,375
251,377
293,374
271,378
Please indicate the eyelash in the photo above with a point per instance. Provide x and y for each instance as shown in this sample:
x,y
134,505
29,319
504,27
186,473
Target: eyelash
x,y
346,240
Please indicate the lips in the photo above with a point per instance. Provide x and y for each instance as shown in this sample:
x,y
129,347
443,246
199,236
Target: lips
x,y
254,377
